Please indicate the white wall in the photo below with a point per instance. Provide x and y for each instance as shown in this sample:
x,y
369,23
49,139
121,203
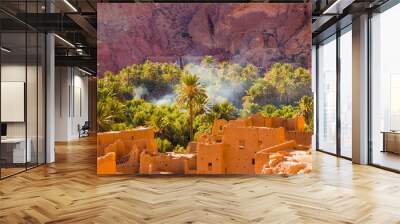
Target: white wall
x,y
12,73
16,73
71,102
33,127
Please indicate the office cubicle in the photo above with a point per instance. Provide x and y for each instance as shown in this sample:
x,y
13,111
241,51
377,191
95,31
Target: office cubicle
x,y
22,77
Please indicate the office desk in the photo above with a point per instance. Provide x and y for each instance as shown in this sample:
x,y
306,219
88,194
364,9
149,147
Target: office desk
x,y
13,150
391,141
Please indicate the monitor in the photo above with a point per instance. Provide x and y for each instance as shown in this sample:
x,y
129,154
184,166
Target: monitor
x,y
3,129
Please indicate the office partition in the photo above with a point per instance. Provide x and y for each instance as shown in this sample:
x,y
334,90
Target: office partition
x,y
22,77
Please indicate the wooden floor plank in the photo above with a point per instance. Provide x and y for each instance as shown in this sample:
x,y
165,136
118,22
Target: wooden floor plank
x,y
69,191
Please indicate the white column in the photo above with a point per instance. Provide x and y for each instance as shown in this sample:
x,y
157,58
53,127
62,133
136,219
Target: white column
x,y
50,100
360,90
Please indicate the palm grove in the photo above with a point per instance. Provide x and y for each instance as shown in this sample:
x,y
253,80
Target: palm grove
x,y
180,103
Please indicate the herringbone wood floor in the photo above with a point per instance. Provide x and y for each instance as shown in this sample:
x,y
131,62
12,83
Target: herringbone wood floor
x,y
69,191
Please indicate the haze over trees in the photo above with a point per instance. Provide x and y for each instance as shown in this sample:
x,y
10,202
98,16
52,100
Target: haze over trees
x,y
182,103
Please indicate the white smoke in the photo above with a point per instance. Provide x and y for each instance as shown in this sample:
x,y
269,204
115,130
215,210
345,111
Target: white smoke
x,y
218,87
140,92
166,99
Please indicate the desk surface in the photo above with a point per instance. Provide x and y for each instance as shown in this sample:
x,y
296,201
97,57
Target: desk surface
x,y
391,132
13,140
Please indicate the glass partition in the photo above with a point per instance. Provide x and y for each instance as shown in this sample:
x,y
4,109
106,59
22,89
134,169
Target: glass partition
x,y
22,66
13,94
41,96
327,95
31,98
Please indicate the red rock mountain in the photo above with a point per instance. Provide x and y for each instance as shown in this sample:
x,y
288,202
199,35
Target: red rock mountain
x,y
258,33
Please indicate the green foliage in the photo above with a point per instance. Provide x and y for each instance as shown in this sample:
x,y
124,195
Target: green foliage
x,y
262,92
287,111
109,111
208,60
168,120
134,81
226,110
191,95
199,94
179,149
291,83
249,109
282,84
119,126
224,80
163,145
306,108
268,110
114,86
284,111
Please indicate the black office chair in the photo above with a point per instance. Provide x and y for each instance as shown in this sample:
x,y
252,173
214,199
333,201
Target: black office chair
x,y
84,130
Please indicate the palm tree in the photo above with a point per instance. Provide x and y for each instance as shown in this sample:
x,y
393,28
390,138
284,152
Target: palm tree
x,y
104,116
109,112
306,108
192,95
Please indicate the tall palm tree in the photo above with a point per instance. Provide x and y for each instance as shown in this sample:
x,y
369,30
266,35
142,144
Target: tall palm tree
x,y
306,108
192,95
104,116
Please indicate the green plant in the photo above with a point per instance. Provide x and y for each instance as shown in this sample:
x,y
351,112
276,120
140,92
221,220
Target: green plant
x,y
163,145
192,95
179,149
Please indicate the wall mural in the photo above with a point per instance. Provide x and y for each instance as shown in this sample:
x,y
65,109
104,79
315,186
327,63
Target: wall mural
x,y
216,88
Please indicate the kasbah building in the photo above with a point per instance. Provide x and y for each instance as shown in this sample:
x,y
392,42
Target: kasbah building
x,y
253,145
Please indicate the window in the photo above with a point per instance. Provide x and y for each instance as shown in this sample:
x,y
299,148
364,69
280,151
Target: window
x,y
385,88
346,92
327,95
241,144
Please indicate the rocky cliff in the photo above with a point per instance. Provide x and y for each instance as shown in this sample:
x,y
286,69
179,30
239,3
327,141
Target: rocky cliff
x,y
258,33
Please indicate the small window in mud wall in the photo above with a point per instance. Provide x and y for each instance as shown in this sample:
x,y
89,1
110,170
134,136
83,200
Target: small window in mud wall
x,y
220,128
241,144
209,166
253,161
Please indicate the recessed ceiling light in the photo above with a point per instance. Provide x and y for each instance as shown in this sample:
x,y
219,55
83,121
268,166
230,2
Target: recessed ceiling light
x,y
64,40
5,50
86,72
70,5
337,7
